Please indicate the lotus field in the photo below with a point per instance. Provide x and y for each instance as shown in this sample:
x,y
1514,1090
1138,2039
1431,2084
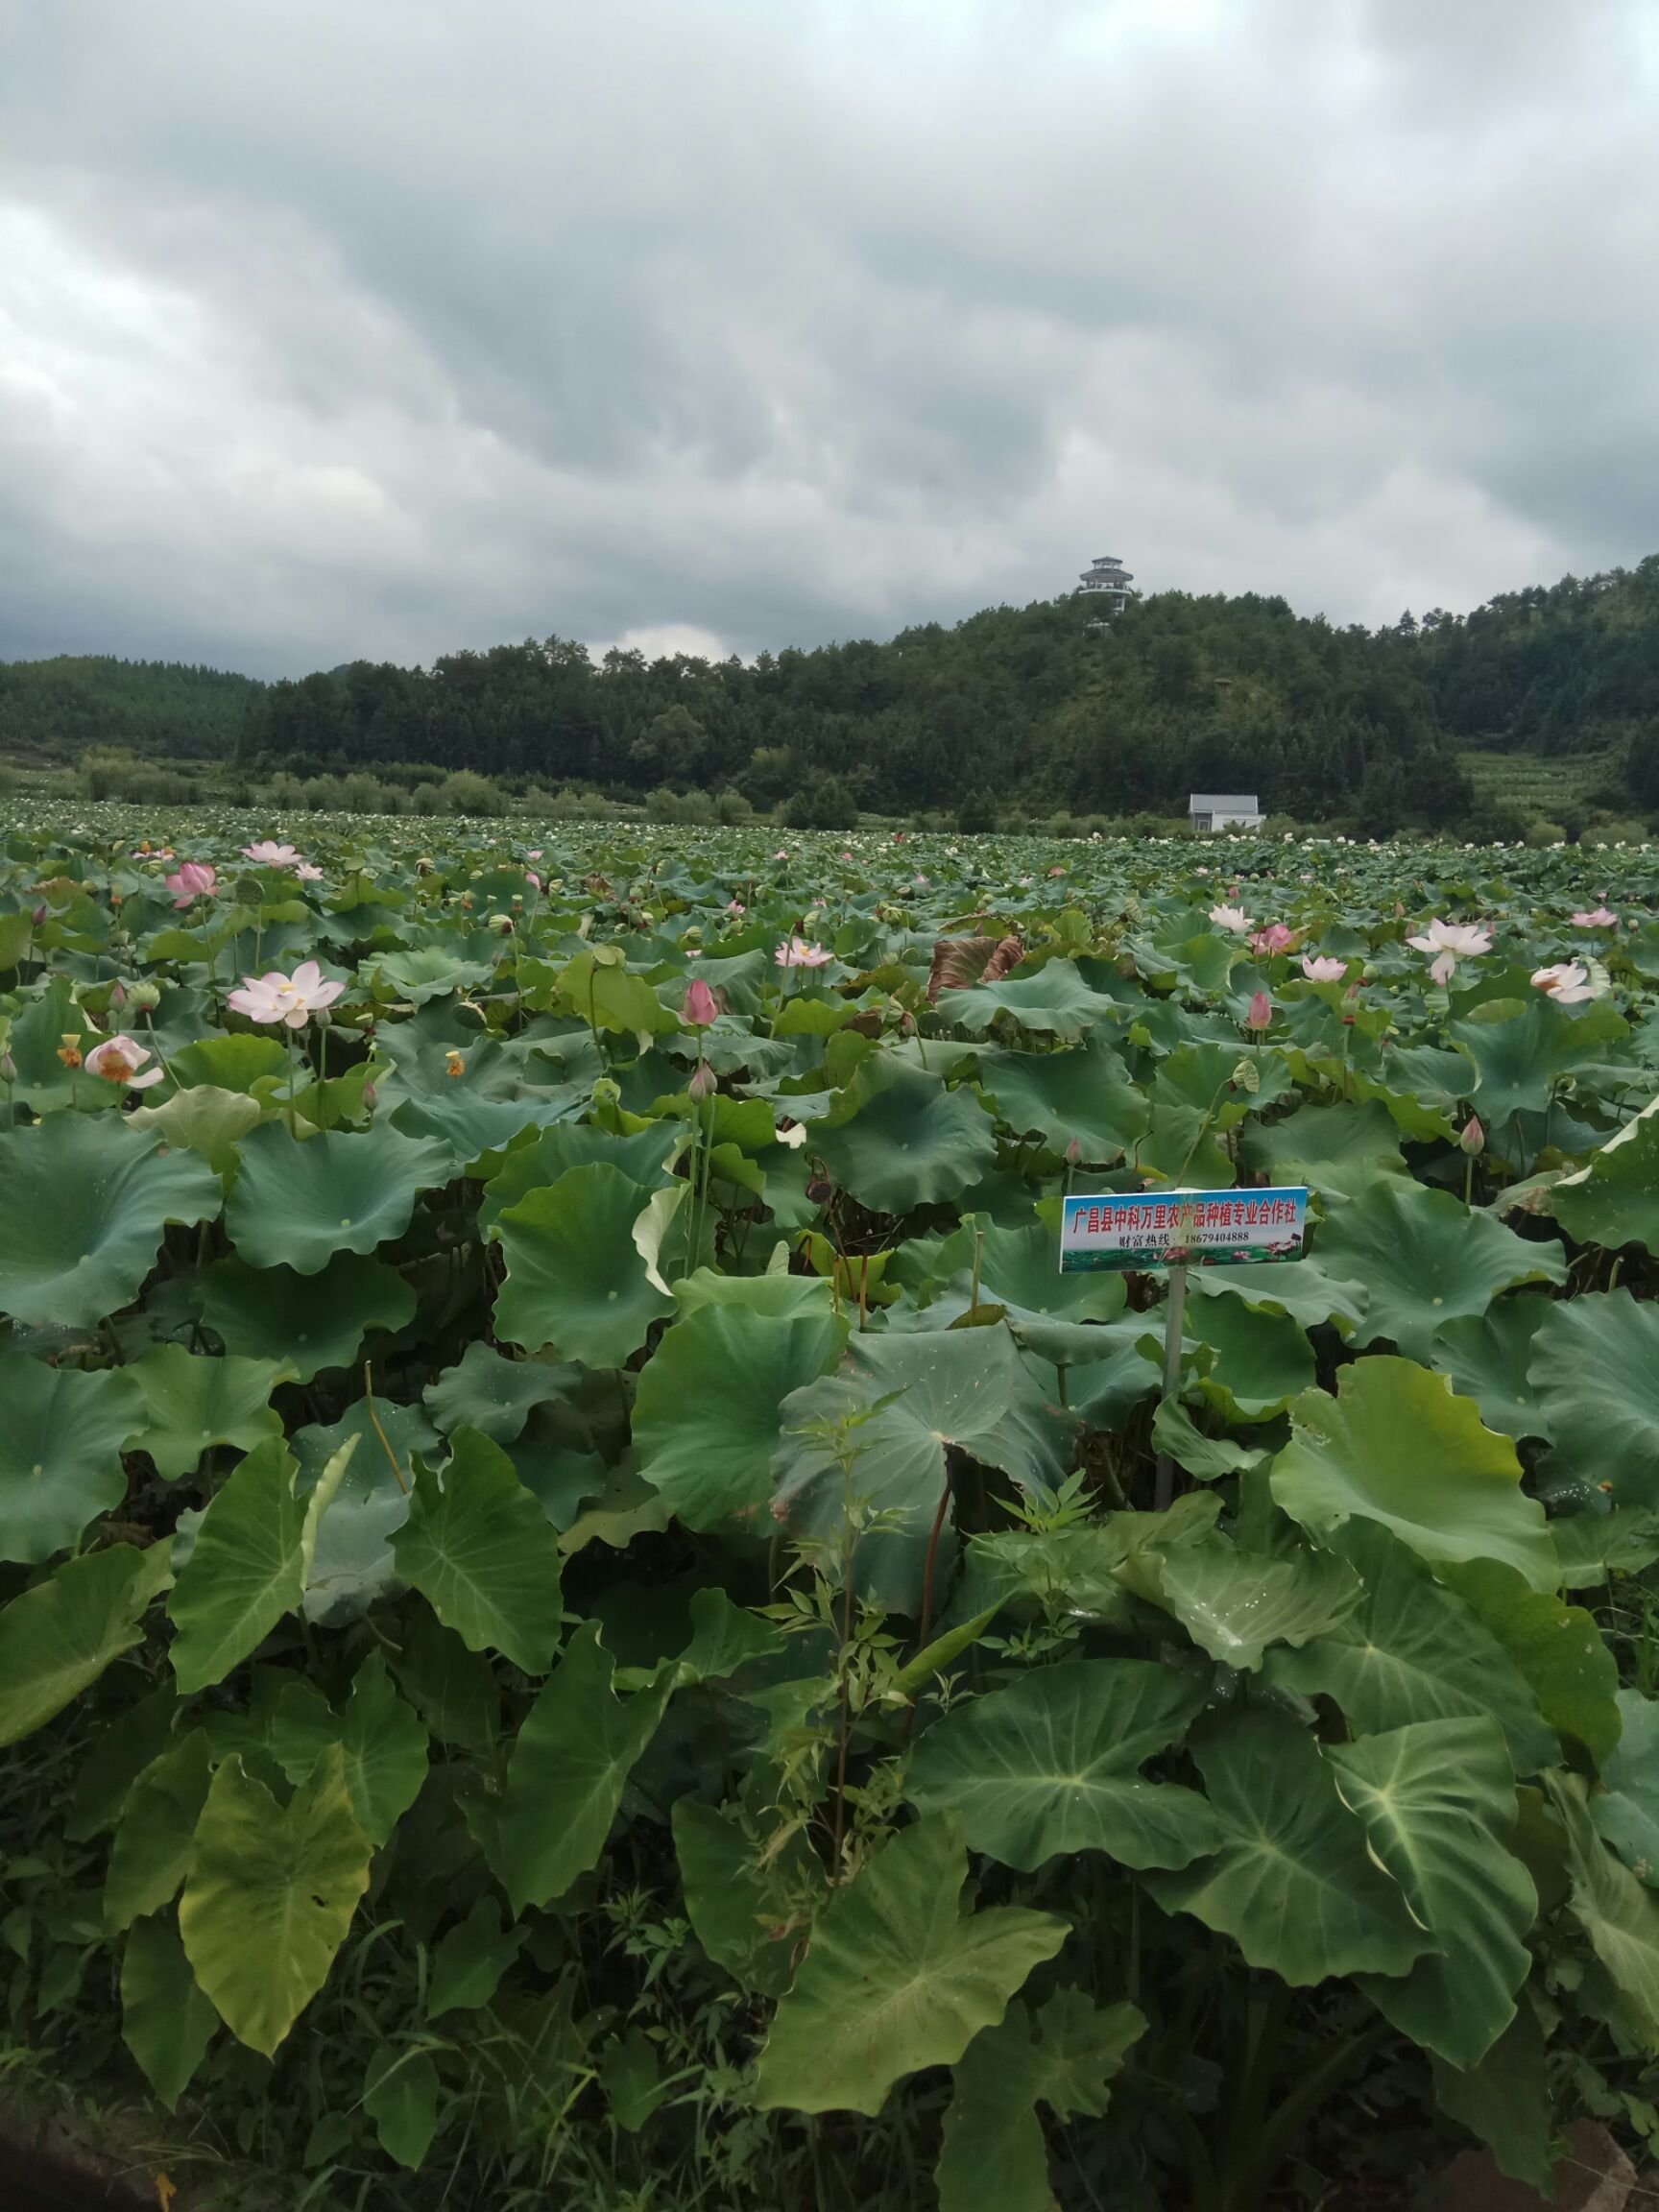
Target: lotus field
x,y
584,1617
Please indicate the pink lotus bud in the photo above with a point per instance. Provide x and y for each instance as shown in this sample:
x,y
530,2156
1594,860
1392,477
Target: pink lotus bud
x,y
38,915
1073,1154
700,1007
1261,1013
1472,1138
703,1084
369,1094
8,1069
118,994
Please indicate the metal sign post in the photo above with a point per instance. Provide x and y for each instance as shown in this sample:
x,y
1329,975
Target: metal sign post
x,y
1180,1229
1174,1330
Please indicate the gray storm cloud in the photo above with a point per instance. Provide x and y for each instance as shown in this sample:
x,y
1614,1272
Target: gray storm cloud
x,y
387,328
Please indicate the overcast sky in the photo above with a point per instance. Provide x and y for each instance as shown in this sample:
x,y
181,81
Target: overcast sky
x,y
340,328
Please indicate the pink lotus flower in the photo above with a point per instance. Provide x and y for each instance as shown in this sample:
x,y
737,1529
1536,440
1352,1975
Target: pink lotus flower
x,y
1565,982
1451,942
735,906
118,1060
1321,967
307,873
1229,918
534,852
532,879
1598,918
270,855
1261,1013
195,879
700,1008
290,999
1275,938
797,953
1471,1138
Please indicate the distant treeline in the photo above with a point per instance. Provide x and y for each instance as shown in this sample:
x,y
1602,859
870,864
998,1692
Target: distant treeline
x,y
1012,710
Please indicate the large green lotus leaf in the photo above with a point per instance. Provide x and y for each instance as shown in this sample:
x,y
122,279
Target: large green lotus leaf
x,y
1604,1540
1487,1356
1084,1096
570,1761
494,1394
1396,1446
400,2093
643,1156
205,1119
992,2148
42,1082
468,1963
84,1203
229,1063
453,1690
783,1297
707,1413
149,1855
193,1403
1112,1367
1017,1268
1596,1366
1520,1056
1413,1652
1438,1803
1260,1362
1052,1765
1425,1259
384,1742
478,1132
1614,1200
1305,1289
120,1755
479,1549
166,2022
575,1277
1055,1001
598,987
1626,1809
1340,1151
270,1895
351,1563
1616,1912
915,1395
1294,1883
59,1452
310,1322
299,1200
899,1139
737,1903
249,1563
1235,1603
897,1976
429,971
724,1639
1557,1647
1420,1085
1196,1097
1505,2102
57,1637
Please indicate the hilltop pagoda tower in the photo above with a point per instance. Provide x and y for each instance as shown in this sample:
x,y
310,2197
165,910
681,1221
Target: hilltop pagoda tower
x,y
1109,586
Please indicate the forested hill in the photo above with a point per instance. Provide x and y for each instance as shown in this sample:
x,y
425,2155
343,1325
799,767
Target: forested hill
x,y
61,708
1022,708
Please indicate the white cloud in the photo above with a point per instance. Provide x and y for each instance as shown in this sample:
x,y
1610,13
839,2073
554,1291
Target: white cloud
x,y
393,328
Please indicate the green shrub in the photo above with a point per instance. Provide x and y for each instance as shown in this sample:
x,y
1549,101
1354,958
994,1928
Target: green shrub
x,y
467,793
